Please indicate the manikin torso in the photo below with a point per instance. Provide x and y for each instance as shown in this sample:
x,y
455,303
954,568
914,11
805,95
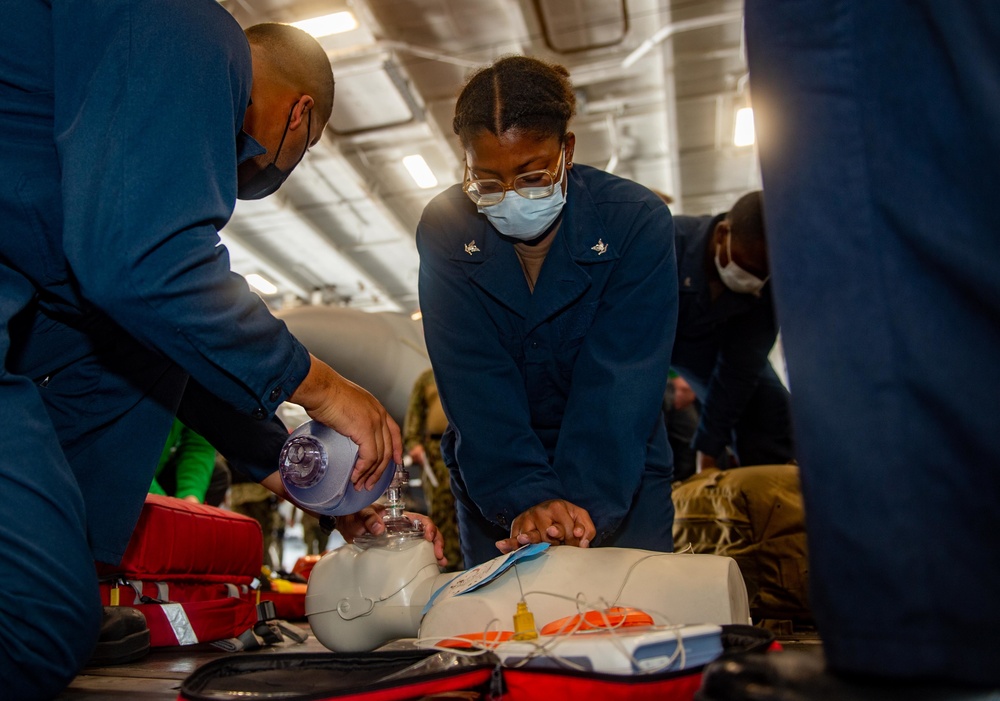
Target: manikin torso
x,y
359,599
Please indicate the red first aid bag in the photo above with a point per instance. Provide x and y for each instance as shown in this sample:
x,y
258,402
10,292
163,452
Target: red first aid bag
x,y
191,570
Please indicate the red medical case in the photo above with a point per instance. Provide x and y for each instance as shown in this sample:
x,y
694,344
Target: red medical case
x,y
191,570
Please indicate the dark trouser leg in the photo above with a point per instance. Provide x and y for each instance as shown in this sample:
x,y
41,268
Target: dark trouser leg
x,y
118,441
877,126
111,402
53,612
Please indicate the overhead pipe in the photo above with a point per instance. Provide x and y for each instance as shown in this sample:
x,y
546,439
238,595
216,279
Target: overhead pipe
x,y
686,25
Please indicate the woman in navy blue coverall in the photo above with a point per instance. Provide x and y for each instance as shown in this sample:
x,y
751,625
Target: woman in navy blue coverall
x,y
549,300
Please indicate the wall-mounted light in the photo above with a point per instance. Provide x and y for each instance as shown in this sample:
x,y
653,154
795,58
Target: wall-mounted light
x,y
743,134
337,23
262,285
417,315
420,171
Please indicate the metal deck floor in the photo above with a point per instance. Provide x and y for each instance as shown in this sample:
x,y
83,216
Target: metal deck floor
x,y
158,676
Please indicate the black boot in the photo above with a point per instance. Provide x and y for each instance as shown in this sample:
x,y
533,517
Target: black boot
x,y
124,637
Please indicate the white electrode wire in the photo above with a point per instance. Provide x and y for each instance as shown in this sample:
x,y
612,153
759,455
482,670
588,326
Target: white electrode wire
x,y
601,607
546,647
475,649
613,628
628,574
478,647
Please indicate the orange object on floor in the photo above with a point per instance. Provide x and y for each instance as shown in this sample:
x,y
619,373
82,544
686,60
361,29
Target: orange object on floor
x,y
614,617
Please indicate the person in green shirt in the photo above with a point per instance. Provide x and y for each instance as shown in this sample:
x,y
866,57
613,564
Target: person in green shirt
x,y
186,465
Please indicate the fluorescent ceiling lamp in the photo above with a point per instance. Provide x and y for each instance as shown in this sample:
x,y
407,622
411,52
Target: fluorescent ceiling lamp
x,y
743,135
265,287
420,171
337,23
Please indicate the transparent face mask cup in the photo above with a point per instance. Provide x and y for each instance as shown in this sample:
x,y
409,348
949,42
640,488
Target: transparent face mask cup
x,y
316,464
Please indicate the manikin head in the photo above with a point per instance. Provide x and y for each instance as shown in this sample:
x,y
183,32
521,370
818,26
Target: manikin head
x,y
359,599
290,104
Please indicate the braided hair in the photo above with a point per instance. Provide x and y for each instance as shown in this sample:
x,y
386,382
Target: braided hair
x,y
515,92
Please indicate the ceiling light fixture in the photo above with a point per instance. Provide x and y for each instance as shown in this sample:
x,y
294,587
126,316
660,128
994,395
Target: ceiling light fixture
x,y
743,134
337,23
420,171
262,285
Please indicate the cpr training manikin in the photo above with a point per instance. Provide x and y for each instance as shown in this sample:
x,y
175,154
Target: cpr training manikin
x,y
361,597
389,587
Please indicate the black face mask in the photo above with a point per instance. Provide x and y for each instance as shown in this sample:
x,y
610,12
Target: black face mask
x,y
270,178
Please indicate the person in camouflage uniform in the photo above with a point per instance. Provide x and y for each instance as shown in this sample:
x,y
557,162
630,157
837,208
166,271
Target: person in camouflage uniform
x,y
259,503
422,429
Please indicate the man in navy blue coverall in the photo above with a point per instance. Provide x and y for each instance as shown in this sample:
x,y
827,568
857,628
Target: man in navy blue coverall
x,y
725,331
879,144
121,127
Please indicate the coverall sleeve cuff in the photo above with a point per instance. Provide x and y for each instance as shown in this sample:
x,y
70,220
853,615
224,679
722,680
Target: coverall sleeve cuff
x,y
504,515
286,385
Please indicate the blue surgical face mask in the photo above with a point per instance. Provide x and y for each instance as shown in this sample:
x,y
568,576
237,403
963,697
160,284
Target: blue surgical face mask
x,y
270,178
733,276
525,219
